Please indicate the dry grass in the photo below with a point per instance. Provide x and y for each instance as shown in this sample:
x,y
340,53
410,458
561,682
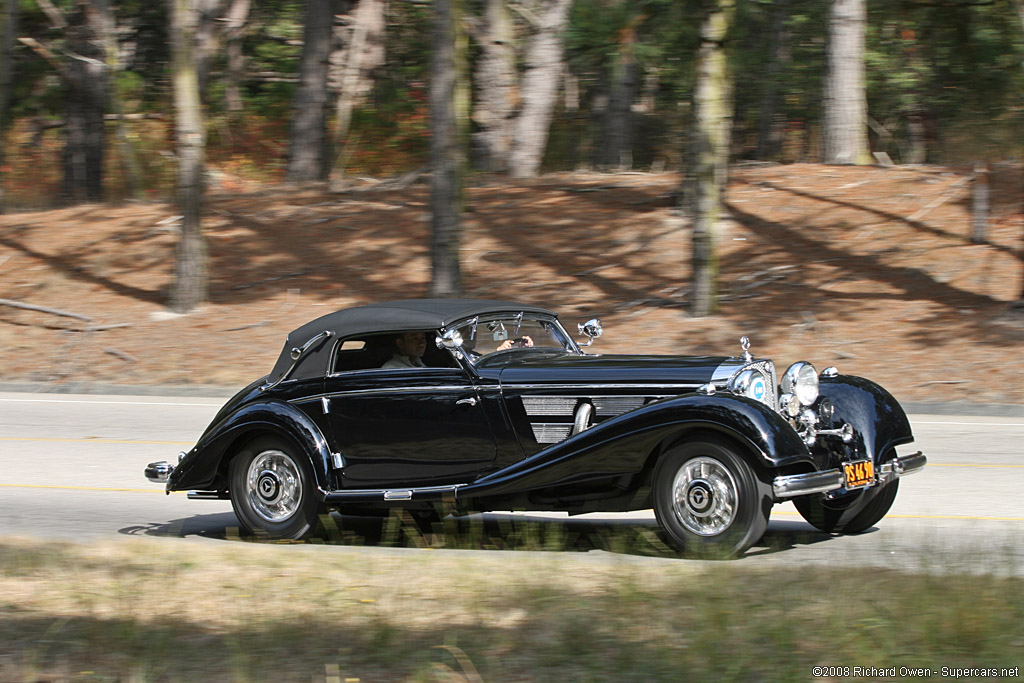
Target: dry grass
x,y
184,611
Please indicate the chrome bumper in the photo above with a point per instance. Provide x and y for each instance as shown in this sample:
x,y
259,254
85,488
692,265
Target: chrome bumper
x,y
158,472
829,480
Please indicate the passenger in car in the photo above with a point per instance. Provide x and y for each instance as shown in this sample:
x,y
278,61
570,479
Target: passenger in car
x,y
409,350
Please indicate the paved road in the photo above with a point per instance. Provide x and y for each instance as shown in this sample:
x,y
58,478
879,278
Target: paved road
x,y
71,468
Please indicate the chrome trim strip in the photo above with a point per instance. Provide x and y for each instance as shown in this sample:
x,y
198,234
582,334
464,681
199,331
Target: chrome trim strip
x,y
813,482
663,385
297,354
392,494
390,390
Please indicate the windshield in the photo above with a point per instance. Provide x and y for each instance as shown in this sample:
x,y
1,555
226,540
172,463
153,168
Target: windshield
x,y
484,336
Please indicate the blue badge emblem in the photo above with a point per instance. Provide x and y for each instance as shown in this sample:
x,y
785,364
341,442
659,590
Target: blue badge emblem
x,y
757,389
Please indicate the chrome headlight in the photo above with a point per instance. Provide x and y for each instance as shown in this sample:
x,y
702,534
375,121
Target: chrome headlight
x,y
801,382
752,384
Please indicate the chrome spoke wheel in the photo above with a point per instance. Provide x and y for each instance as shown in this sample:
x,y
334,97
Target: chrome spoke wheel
x,y
274,485
705,496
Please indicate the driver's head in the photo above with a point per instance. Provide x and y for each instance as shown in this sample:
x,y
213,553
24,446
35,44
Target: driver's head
x,y
412,344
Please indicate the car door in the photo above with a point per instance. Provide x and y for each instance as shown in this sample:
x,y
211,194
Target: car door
x,y
408,427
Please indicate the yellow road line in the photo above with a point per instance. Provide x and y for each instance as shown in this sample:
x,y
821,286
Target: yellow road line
x,y
94,440
788,513
80,488
967,464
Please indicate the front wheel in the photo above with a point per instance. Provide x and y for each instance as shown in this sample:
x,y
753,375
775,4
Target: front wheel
x,y
851,514
272,490
708,500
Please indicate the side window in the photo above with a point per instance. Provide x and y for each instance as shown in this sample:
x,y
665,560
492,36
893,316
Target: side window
x,y
368,352
361,353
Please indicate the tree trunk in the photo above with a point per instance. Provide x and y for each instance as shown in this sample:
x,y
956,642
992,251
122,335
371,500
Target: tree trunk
x,y
85,97
191,270
617,150
234,31
445,153
8,30
352,66
980,203
710,148
497,91
102,19
540,81
845,99
308,157
769,134
207,40
1019,4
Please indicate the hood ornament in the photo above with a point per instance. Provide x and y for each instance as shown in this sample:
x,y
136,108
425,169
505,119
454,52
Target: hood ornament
x,y
745,345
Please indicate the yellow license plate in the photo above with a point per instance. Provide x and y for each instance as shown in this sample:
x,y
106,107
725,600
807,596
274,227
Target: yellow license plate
x,y
859,474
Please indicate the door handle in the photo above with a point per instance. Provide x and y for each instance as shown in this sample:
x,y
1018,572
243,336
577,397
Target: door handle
x,y
466,402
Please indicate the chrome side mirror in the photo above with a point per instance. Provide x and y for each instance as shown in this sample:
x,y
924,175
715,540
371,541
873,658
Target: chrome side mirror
x,y
449,339
591,329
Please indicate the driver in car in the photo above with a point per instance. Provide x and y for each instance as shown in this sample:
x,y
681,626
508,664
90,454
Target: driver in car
x,y
521,342
409,350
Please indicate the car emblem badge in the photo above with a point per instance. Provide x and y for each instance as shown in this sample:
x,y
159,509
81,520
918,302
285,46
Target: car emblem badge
x,y
758,389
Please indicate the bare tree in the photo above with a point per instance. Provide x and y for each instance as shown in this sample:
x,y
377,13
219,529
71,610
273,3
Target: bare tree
x,y
234,31
359,51
616,151
190,287
845,98
446,153
86,91
498,84
540,81
769,134
8,29
106,28
308,157
708,160
1019,4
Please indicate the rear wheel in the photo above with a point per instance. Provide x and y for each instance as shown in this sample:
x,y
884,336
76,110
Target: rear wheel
x,y
708,500
272,490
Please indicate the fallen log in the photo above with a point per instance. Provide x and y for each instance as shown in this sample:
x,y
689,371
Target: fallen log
x,y
44,309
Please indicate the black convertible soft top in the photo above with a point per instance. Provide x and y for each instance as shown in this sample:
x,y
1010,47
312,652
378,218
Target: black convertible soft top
x,y
387,316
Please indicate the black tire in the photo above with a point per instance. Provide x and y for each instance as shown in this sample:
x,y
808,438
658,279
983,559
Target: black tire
x,y
851,514
708,500
273,491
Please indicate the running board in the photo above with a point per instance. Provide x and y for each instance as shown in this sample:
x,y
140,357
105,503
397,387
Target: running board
x,y
426,493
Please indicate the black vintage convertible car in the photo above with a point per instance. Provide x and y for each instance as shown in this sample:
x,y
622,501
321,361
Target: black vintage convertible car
x,y
501,409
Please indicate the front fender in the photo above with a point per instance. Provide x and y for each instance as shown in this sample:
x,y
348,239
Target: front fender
x,y
875,415
622,445
200,467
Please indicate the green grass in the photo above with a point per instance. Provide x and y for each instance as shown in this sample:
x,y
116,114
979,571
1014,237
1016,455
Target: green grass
x,y
182,610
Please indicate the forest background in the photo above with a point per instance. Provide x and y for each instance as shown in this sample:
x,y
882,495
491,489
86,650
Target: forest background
x,y
555,106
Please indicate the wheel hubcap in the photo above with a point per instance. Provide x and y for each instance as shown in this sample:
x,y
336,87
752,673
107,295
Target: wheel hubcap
x,y
274,486
704,496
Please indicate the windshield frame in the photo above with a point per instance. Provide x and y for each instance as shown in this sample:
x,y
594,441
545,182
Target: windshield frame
x,y
513,320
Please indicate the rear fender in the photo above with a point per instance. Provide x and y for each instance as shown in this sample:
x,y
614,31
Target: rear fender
x,y
624,445
199,469
879,422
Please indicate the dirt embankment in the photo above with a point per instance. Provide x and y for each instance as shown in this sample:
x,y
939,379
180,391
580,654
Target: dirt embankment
x,y
869,269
